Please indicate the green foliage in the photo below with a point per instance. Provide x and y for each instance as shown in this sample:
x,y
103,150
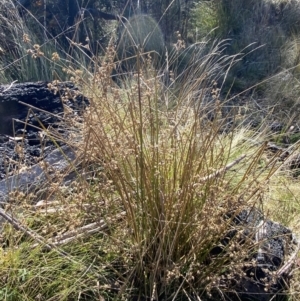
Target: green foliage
x,y
204,20
140,34
23,56
258,32
32,274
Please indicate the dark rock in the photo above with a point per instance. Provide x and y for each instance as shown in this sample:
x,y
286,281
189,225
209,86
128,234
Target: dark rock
x,y
272,250
34,178
15,136
58,160
276,126
16,99
294,162
35,104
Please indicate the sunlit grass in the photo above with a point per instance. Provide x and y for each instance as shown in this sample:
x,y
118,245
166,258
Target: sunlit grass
x,y
158,170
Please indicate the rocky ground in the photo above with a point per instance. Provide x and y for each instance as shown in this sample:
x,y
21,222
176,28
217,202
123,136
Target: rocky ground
x,y
16,152
27,111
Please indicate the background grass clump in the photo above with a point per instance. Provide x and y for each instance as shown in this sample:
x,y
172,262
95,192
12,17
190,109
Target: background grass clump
x,y
264,34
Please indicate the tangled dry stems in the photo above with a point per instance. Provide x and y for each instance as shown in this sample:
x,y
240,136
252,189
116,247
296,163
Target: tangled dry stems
x,y
161,177
165,167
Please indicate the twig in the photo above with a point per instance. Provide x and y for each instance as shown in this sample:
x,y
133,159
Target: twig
x,y
287,266
9,87
81,232
38,109
18,226
223,169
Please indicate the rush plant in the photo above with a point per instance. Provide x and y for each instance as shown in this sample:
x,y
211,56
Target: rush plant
x,y
163,166
167,163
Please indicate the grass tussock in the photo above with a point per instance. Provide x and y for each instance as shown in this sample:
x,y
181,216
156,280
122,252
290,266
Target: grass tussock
x,y
163,167
158,175
168,170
